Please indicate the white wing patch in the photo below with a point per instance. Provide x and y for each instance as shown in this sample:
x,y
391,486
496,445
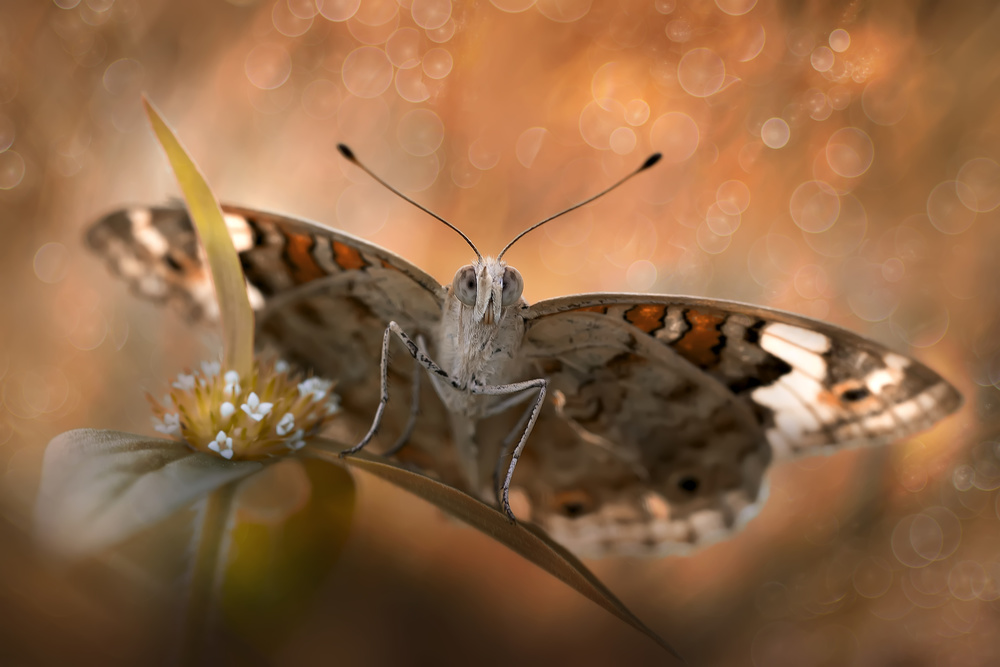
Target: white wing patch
x,y
239,231
802,349
813,341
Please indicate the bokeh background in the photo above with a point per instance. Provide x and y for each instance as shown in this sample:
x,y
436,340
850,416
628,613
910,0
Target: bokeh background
x,y
838,159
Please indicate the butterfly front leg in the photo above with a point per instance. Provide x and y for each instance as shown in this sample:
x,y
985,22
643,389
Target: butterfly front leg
x,y
541,384
411,422
421,359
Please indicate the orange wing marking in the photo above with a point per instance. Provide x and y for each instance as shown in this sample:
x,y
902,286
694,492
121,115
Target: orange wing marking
x,y
348,258
701,343
647,317
298,250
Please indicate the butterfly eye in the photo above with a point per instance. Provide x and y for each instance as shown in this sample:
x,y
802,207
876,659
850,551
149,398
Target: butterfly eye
x,y
512,286
465,285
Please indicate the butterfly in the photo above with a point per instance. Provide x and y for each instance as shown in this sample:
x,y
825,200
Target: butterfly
x,y
638,424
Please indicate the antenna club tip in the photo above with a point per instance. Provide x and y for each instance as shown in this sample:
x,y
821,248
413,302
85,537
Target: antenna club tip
x,y
346,152
651,160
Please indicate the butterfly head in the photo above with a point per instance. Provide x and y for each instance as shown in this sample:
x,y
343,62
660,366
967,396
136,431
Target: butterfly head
x,y
487,286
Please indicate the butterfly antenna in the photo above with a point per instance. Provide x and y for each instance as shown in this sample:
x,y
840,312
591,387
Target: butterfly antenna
x,y
650,161
349,155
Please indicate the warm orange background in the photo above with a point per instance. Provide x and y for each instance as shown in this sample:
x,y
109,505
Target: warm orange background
x,y
836,159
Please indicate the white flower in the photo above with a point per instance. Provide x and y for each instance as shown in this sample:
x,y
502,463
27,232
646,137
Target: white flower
x,y
286,424
185,382
171,424
222,445
296,442
232,387
211,368
333,405
318,387
227,409
254,408
281,366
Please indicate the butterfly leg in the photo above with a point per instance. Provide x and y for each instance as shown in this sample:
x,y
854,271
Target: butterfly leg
x,y
505,447
421,358
541,384
404,437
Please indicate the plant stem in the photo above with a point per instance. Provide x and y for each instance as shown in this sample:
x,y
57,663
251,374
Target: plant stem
x,y
210,545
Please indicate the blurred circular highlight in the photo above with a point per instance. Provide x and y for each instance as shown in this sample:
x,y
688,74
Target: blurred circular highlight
x,y
7,133
945,208
736,7
840,40
12,169
437,63
822,59
981,180
528,144
268,66
701,72
775,133
512,6
849,152
430,14
563,11
622,140
846,235
50,262
321,99
403,48
675,135
636,112
641,275
484,154
367,72
420,132
814,206
733,197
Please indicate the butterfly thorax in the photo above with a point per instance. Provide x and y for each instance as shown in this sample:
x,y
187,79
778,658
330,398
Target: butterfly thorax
x,y
481,330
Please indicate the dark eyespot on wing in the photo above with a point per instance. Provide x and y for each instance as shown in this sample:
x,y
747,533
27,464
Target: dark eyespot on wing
x,y
689,484
856,394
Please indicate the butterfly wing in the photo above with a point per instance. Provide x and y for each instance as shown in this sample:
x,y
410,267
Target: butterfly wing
x,y
668,410
322,298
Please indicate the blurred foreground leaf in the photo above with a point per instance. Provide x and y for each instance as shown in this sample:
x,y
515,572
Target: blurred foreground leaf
x,y
290,527
527,540
227,274
100,487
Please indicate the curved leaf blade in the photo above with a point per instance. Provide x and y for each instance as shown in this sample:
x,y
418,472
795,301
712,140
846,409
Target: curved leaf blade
x,y
100,487
525,539
227,274
284,542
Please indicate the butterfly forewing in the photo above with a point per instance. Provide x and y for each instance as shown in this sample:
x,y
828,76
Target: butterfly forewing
x,y
681,404
323,299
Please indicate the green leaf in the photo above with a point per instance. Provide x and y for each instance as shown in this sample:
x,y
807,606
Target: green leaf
x,y
100,487
526,539
290,527
223,261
